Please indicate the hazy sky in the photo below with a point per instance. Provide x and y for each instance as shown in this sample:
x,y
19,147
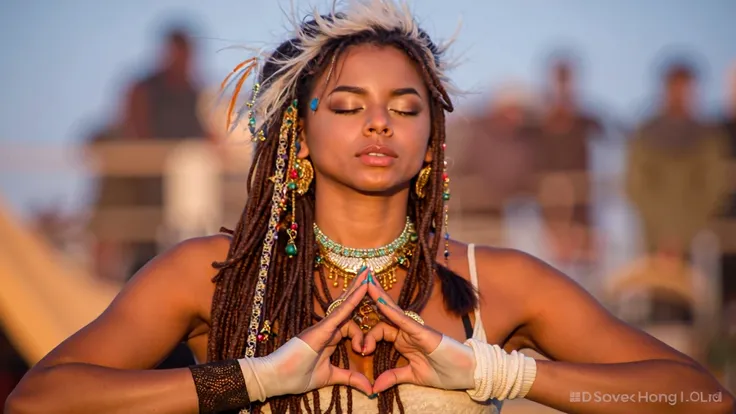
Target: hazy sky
x,y
65,62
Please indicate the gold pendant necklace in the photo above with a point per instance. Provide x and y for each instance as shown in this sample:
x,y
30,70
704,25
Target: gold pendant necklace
x,y
342,262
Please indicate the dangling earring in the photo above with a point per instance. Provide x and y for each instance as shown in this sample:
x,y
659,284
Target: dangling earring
x,y
446,199
422,180
289,127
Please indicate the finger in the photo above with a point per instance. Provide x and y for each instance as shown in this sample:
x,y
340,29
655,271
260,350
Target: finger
x,y
341,376
345,310
392,312
351,330
378,289
381,332
360,278
392,377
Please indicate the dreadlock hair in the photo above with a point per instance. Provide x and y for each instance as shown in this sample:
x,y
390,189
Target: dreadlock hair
x,y
292,287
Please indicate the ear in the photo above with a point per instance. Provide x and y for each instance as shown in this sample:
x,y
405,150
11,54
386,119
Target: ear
x,y
302,137
429,155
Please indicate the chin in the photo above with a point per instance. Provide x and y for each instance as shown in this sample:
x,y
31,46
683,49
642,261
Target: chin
x,y
380,187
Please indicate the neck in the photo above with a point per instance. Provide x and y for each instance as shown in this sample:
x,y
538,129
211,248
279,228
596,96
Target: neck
x,y
357,220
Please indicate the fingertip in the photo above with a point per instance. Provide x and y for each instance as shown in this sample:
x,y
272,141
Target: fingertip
x,y
361,383
381,385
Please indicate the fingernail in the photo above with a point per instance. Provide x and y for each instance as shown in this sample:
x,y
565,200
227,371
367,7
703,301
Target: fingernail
x,y
364,282
362,269
370,277
372,396
382,301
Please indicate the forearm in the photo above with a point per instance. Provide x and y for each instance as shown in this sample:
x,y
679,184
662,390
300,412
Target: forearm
x,y
82,388
655,386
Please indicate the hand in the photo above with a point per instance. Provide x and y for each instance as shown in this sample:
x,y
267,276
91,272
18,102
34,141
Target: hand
x,y
435,360
303,363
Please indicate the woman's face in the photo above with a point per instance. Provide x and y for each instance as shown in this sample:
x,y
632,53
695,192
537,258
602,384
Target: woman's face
x,y
371,129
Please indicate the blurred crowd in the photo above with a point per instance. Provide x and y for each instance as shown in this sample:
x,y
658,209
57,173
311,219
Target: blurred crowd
x,y
523,153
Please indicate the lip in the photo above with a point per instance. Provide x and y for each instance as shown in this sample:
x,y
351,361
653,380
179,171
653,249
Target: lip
x,y
377,149
377,156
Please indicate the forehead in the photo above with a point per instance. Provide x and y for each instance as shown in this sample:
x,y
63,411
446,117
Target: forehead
x,y
375,66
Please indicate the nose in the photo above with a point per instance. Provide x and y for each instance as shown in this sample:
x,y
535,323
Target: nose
x,y
378,122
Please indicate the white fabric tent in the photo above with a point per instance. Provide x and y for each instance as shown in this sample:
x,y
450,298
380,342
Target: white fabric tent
x,y
43,298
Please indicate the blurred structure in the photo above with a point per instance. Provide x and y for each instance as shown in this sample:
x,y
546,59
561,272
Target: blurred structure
x,y
676,174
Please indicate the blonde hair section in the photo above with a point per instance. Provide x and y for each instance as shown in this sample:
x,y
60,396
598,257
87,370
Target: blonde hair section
x,y
353,17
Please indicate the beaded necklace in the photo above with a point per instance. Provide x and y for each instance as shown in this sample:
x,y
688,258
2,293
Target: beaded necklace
x,y
343,262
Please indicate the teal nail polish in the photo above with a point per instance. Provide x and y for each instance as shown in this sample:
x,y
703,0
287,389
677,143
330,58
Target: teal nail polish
x,y
362,269
382,301
363,282
372,396
370,278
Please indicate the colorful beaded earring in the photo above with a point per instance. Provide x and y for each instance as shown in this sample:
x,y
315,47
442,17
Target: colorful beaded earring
x,y
445,202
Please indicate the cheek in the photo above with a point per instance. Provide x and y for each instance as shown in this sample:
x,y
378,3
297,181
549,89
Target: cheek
x,y
419,130
327,138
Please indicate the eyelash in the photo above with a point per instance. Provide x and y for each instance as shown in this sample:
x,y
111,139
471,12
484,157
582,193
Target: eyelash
x,y
355,111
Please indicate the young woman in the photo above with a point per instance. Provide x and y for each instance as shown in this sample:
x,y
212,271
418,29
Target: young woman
x,y
334,280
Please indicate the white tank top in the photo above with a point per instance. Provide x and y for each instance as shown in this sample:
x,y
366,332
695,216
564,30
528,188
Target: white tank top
x,y
417,399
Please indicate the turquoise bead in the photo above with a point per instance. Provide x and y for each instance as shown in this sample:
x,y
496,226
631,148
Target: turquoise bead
x,y
291,250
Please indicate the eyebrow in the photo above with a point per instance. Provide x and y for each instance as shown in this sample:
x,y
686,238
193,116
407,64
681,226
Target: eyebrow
x,y
362,91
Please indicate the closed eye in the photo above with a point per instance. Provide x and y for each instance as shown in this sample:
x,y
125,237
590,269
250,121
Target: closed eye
x,y
346,111
406,113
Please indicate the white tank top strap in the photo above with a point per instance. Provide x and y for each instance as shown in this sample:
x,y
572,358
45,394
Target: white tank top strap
x,y
478,332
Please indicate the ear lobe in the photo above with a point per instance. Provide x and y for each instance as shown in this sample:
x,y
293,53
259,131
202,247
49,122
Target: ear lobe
x,y
302,137
429,156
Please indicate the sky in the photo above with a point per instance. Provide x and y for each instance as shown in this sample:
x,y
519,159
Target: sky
x,y
65,63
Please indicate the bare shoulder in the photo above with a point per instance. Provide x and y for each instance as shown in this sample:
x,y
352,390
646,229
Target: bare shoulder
x,y
522,276
187,265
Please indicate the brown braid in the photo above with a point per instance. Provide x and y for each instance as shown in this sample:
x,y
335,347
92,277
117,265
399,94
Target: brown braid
x,y
292,287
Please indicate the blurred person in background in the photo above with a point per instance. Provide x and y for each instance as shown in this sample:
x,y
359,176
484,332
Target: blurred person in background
x,y
563,152
675,173
164,106
492,156
729,255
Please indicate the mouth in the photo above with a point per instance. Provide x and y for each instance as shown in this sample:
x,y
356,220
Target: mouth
x,y
377,156
377,151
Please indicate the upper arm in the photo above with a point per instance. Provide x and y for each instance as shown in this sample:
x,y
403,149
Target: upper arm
x,y
564,322
151,315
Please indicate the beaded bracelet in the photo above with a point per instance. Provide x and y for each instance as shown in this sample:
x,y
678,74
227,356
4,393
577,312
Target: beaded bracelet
x,y
220,386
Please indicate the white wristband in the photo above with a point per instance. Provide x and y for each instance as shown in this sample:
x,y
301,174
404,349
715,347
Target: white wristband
x,y
500,375
286,371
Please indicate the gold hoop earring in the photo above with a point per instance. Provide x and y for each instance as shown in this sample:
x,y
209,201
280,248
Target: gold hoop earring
x,y
422,180
305,175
